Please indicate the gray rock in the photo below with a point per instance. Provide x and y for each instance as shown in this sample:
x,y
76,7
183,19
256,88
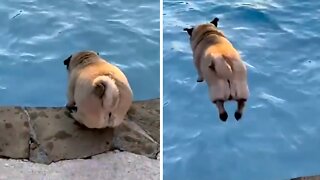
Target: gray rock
x,y
14,133
143,113
57,137
307,178
130,137
54,135
111,165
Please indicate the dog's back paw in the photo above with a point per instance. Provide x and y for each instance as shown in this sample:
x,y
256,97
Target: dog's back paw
x,y
237,115
223,116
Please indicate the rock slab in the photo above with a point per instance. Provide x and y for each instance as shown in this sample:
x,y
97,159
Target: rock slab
x,y
307,178
14,132
57,137
143,113
111,165
47,135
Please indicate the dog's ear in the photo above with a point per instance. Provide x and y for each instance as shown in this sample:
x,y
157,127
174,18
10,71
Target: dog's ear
x,y
189,30
215,21
66,62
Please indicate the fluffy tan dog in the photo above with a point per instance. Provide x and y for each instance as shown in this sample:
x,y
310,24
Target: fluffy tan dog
x,y
99,94
220,65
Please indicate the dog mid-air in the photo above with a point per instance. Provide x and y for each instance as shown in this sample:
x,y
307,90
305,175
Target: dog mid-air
x,y
220,65
99,94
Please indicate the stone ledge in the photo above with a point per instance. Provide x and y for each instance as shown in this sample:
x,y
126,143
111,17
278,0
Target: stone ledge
x,y
46,135
307,178
111,165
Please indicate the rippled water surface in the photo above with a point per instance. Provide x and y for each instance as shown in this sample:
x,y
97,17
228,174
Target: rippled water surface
x,y
36,36
278,137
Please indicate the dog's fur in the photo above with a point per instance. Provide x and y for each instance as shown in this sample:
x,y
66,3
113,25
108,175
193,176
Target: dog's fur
x,y
99,94
220,65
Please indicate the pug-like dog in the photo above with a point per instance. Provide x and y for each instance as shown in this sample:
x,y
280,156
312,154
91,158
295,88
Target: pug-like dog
x,y
220,65
99,94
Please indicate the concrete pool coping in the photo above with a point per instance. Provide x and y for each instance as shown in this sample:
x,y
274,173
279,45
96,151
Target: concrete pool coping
x,y
47,134
113,165
307,178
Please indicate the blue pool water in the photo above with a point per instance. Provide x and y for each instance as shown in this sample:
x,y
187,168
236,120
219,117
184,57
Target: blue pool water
x,y
278,137
36,36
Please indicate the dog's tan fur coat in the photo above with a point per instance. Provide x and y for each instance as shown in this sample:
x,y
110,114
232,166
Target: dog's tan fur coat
x,y
214,48
219,64
99,90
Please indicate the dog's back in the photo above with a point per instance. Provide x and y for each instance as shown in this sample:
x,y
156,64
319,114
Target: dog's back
x,y
98,96
220,65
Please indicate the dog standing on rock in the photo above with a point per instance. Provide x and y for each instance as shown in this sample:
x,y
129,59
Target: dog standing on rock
x,y
220,65
99,94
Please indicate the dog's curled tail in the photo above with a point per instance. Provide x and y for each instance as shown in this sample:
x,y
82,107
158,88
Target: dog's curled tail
x,y
106,89
222,66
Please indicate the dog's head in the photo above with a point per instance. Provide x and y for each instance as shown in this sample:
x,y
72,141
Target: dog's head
x,y
190,30
79,58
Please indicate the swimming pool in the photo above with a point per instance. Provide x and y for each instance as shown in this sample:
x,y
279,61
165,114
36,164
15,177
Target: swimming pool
x,y
277,137
38,35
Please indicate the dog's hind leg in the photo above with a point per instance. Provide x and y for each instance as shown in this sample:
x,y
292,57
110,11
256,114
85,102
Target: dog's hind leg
x,y
239,84
223,115
219,92
196,61
241,105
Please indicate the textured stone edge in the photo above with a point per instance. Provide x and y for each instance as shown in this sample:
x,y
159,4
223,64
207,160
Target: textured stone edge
x,y
111,165
34,142
314,177
156,109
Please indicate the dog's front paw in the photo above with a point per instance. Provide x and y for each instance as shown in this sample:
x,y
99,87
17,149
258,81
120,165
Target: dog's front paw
x,y
71,107
200,79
